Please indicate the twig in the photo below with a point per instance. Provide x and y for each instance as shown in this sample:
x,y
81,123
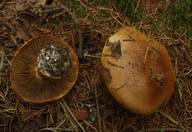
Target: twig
x,y
173,121
140,25
128,40
147,42
67,110
58,14
120,86
161,130
109,55
76,21
1,95
33,114
86,8
68,115
159,52
88,124
117,20
13,116
3,4
146,54
130,36
137,6
51,10
1,65
61,123
115,65
153,75
93,56
98,111
10,26
128,23
53,129
27,13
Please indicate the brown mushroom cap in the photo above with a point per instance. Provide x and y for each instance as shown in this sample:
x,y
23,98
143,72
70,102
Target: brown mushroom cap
x,y
142,78
33,87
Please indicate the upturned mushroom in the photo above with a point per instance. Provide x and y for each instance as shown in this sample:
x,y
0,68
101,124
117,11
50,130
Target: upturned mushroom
x,y
44,69
137,71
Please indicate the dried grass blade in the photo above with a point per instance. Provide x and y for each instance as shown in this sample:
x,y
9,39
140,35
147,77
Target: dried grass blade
x,y
173,121
70,115
1,65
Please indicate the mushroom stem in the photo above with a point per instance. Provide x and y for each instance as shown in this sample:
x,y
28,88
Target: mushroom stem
x,y
41,75
53,62
38,73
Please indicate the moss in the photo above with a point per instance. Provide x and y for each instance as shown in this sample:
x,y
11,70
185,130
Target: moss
x,y
127,7
105,3
178,18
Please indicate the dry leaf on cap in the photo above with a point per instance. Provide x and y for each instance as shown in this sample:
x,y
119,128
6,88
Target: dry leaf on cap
x,y
25,31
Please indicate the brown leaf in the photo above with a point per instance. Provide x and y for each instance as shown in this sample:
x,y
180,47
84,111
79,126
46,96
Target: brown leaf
x,y
80,114
25,31
150,6
23,4
163,4
117,51
115,47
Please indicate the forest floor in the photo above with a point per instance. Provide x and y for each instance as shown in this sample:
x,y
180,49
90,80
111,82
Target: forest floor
x,y
89,24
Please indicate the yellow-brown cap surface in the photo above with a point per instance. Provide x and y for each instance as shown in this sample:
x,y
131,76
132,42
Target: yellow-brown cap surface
x,y
28,84
141,77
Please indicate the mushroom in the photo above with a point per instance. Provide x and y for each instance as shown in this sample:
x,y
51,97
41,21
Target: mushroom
x,y
44,69
137,71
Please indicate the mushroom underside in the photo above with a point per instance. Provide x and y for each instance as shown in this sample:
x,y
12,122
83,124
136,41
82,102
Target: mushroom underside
x,y
26,81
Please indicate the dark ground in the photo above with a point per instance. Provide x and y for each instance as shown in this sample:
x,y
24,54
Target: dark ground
x,y
94,24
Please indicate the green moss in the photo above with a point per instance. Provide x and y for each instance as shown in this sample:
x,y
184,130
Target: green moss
x,y
178,18
105,3
80,11
127,7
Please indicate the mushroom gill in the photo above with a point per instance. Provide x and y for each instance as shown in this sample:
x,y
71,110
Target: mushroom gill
x,y
44,69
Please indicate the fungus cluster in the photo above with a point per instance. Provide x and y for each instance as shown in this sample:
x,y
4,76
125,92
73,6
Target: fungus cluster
x,y
44,69
137,71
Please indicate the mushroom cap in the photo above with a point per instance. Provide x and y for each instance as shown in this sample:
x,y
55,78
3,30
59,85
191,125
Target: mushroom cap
x,y
142,78
26,82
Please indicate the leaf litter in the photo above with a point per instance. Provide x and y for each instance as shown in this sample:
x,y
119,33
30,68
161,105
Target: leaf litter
x,y
89,95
